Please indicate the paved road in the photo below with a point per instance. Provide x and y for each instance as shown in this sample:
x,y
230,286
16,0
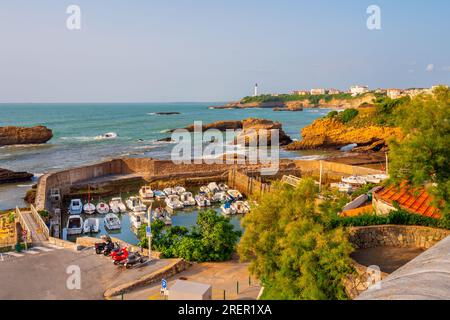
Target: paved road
x,y
42,274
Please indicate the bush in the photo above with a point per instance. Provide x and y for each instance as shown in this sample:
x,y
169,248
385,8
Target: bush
x,y
332,114
348,115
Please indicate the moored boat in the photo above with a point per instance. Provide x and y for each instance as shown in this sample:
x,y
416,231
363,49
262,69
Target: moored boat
x,y
102,208
188,199
213,187
228,209
75,207
146,193
169,191
179,190
117,206
91,225
173,202
163,215
112,222
202,200
220,196
241,207
74,225
89,208
354,180
135,204
234,194
159,195
223,187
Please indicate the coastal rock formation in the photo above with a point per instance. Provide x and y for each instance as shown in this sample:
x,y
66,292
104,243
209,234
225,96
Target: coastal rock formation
x,y
219,125
167,113
251,129
331,133
22,135
8,176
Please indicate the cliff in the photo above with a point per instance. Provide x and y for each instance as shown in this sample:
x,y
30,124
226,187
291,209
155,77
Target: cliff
x,y
7,176
22,135
332,133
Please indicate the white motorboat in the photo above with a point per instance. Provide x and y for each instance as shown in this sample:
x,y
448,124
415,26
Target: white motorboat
x,y
179,190
117,205
163,215
220,196
135,204
223,187
188,199
354,180
146,193
159,195
234,194
91,225
375,178
202,200
89,208
74,225
102,208
228,209
241,207
106,136
169,191
112,222
342,187
204,189
213,187
173,202
135,220
75,207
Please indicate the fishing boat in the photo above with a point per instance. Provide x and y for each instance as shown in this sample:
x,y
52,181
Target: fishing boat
x,y
220,196
179,190
234,194
102,208
213,187
159,195
135,220
169,191
112,222
75,207
342,187
89,208
117,205
173,202
354,180
188,199
241,207
228,209
202,200
135,204
74,225
146,193
91,225
223,187
106,136
163,215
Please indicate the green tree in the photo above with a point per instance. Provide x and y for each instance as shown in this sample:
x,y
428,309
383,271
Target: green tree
x,y
423,156
291,249
348,115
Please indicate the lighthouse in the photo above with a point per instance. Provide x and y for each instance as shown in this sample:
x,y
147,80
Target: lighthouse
x,y
255,94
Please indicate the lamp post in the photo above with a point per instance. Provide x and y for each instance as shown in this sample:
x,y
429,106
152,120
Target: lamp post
x,y
149,234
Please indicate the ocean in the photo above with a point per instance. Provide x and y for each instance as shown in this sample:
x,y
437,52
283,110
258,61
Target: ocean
x,y
137,125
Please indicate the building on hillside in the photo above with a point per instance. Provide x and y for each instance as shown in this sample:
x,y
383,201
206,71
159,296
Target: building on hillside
x,y
357,90
437,86
300,92
317,91
380,90
394,93
413,92
334,91
413,200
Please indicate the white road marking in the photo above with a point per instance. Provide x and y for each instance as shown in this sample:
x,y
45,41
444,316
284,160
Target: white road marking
x,y
54,246
43,249
30,252
14,254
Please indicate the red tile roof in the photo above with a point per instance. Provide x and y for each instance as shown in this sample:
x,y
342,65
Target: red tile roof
x,y
413,200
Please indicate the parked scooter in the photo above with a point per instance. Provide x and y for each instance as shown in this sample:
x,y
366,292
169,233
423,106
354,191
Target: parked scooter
x,y
120,255
134,259
111,248
101,246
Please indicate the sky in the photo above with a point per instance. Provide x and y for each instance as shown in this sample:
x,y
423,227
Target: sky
x,y
216,50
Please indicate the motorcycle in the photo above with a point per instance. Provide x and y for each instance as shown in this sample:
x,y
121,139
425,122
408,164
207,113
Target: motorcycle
x,y
134,259
111,248
120,255
101,246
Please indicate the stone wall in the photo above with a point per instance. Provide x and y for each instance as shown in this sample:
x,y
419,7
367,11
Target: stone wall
x,y
395,235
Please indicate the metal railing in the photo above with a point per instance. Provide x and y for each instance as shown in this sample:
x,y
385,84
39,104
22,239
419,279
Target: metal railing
x,y
24,224
38,219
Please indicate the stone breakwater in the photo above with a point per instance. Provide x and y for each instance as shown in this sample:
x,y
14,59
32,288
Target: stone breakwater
x,y
24,135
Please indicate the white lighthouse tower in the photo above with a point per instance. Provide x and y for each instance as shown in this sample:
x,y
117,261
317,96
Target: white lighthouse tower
x,y
255,94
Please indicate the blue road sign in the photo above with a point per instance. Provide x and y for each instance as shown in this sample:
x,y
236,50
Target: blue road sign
x,y
164,283
148,231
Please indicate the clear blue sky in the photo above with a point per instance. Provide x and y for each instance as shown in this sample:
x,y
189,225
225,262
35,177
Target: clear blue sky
x,y
215,50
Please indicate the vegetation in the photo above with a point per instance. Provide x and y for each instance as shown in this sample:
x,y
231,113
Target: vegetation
x,y
348,115
313,99
212,239
423,157
11,217
292,250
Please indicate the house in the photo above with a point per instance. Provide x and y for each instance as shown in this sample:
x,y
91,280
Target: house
x,y
334,91
394,93
300,92
317,91
357,90
413,200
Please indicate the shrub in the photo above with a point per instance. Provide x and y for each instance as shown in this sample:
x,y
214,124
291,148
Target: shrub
x,y
348,115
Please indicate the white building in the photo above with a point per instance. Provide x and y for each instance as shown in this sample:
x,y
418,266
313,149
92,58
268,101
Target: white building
x,y
356,90
255,92
317,91
394,93
300,92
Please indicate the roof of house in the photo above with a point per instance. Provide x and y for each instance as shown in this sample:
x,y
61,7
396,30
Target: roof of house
x,y
367,209
415,200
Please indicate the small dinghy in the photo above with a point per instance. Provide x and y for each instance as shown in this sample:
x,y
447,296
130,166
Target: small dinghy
x,y
223,187
102,208
188,199
74,225
169,191
159,195
179,190
163,215
202,200
75,207
146,194
89,208
112,222
241,207
173,202
91,225
234,194
106,136
228,209
135,204
117,205
213,187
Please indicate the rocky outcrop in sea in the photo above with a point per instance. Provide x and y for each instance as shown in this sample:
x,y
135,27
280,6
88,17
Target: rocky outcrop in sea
x,y
8,176
24,135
